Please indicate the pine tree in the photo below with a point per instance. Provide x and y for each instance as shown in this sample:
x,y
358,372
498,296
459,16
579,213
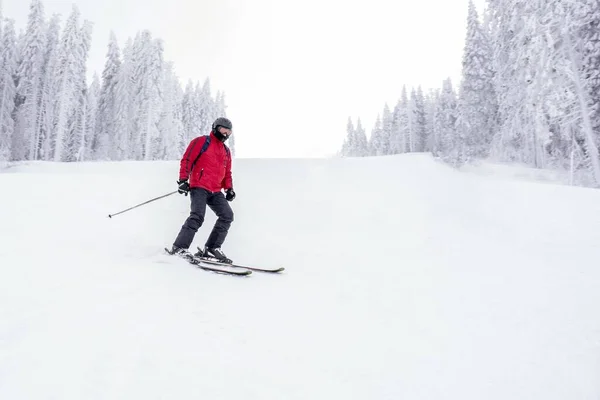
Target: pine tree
x,y
91,112
147,75
76,134
49,90
2,19
477,96
587,13
430,105
396,136
360,141
505,25
66,76
200,108
178,120
140,46
189,111
450,144
522,64
404,122
124,123
206,107
348,148
581,62
386,130
539,71
221,111
169,127
436,126
107,103
26,137
376,142
220,108
417,121
8,66
154,98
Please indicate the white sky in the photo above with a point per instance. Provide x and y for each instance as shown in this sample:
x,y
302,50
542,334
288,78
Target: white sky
x,y
293,71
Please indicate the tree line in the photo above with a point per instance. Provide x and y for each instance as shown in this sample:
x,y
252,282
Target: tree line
x,y
529,93
136,110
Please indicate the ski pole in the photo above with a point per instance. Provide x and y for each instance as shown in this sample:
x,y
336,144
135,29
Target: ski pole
x,y
141,204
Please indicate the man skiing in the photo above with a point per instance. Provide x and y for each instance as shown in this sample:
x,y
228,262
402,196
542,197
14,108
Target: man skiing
x,y
205,170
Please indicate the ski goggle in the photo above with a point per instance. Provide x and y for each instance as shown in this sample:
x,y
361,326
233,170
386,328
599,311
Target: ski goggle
x,y
224,131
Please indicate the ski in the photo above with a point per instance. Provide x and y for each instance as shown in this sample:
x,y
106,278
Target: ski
x,y
246,267
214,261
221,269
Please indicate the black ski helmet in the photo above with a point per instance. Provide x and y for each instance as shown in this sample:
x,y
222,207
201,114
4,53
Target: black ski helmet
x,y
225,123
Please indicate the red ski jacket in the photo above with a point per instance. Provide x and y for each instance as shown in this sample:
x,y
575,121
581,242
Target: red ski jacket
x,y
212,171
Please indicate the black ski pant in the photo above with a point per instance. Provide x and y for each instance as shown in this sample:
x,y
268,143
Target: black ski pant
x,y
200,198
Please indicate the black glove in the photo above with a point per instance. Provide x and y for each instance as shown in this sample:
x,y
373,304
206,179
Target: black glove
x,y
230,194
184,186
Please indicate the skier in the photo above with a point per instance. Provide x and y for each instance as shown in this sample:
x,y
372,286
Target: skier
x,y
209,172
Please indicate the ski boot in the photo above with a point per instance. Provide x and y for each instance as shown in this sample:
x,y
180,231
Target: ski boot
x,y
216,253
199,253
183,253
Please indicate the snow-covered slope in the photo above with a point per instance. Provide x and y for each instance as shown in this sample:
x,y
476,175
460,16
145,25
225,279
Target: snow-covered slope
x,y
404,280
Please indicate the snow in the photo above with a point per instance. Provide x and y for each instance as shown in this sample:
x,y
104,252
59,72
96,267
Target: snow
x,y
405,279
516,171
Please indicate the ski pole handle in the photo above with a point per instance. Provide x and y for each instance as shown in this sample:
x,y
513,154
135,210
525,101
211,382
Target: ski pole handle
x,y
141,204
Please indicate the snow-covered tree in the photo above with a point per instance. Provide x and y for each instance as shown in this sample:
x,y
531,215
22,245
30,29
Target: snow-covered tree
x,y
585,20
106,129
449,143
178,121
377,140
521,55
581,56
404,125
221,111
431,100
78,136
8,66
207,108
49,91
417,121
91,117
386,129
530,92
477,99
121,147
586,16
348,145
189,111
170,125
435,126
147,77
396,145
26,138
544,107
155,99
138,111
66,72
360,140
